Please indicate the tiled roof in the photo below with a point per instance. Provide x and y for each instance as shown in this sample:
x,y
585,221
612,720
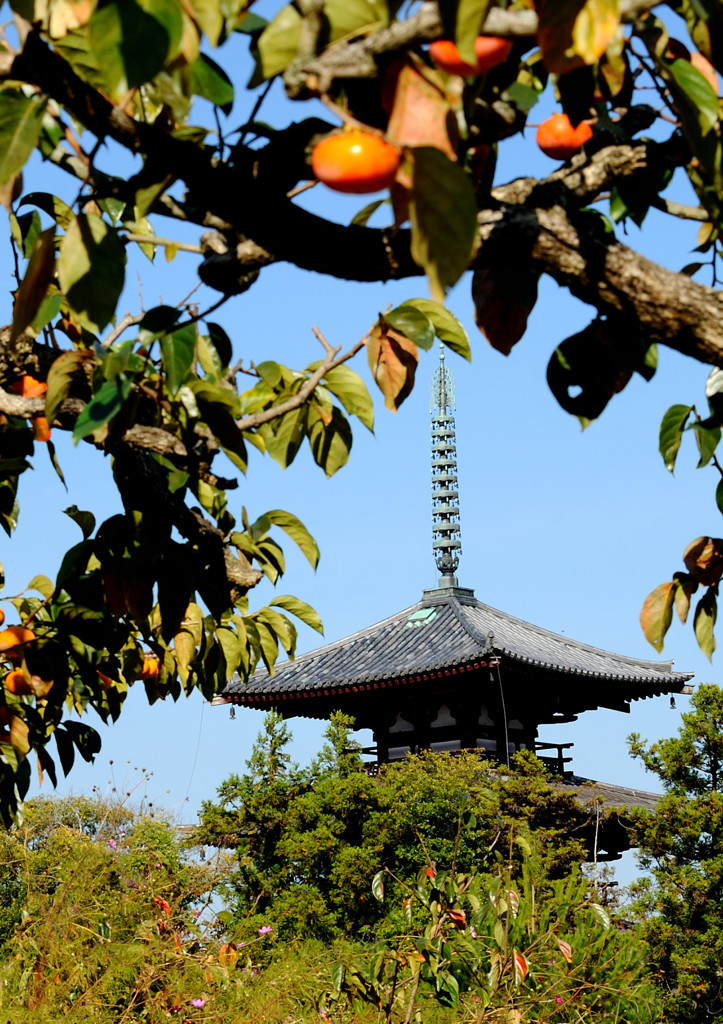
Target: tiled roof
x,y
449,628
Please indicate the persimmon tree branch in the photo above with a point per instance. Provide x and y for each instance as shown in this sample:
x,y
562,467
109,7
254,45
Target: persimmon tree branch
x,y
358,58
541,216
306,390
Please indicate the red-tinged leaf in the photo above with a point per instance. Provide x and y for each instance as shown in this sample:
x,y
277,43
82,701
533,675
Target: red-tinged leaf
x,y
657,614
164,907
393,362
566,949
34,285
458,918
503,300
521,967
421,114
703,558
554,34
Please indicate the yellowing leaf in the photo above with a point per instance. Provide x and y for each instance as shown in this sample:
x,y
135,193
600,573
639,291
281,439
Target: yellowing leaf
x,y
575,32
595,26
657,614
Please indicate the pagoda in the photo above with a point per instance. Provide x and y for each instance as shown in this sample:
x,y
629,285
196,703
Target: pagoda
x,y
450,673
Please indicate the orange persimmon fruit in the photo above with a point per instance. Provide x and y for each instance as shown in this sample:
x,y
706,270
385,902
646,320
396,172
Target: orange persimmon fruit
x,y
490,51
355,161
151,669
13,637
558,139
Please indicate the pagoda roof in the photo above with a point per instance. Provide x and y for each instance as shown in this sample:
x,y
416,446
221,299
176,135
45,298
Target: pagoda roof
x,y
449,632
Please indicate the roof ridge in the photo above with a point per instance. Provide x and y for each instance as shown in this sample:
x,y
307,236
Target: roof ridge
x,y
649,663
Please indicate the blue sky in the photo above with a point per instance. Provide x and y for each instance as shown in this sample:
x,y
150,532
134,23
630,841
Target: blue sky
x,y
566,529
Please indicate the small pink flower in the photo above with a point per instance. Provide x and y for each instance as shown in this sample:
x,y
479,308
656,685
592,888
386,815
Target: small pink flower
x,y
198,1003
112,844
558,999
265,929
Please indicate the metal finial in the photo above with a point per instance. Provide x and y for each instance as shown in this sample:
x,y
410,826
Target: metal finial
x,y
446,542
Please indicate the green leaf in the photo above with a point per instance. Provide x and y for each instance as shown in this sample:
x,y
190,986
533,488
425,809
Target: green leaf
x,y
103,406
221,342
352,392
91,269
378,886
208,14
35,283
446,326
278,44
412,323
697,95
601,914
443,212
156,322
362,217
704,622
209,358
284,436
302,610
671,433
349,17
283,629
85,738
130,41
21,118
211,82
61,213
707,439
85,520
337,976
43,586
330,441
26,229
657,614
296,531
231,647
178,351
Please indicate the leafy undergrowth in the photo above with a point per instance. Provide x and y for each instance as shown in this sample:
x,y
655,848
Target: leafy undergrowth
x,y
104,917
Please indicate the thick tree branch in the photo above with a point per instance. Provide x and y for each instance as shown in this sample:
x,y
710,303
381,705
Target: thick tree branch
x,y
358,58
542,216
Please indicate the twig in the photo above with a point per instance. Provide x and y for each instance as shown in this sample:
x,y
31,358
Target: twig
x,y
254,112
128,320
155,240
304,187
329,362
680,209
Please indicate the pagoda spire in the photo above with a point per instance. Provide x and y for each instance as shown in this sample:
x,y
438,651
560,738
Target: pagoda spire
x,y
446,542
